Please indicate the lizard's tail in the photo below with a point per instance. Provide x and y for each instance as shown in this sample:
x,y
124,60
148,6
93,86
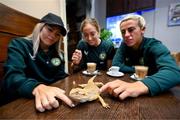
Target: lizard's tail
x,y
91,79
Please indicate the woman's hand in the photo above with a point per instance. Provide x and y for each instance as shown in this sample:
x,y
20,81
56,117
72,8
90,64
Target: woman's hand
x,y
76,57
45,97
121,89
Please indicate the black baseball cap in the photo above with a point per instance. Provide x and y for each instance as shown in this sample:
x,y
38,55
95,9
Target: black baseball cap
x,y
53,19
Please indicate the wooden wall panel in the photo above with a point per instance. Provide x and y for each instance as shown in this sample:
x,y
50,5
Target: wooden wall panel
x,y
15,22
12,24
4,41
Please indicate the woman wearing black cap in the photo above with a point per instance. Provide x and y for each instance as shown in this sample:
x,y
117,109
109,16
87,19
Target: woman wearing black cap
x,y
35,61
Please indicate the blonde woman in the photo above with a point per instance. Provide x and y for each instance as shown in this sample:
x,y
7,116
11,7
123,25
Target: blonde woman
x,y
36,61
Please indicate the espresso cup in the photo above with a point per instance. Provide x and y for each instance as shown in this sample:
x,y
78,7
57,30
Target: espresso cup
x,y
91,67
141,71
114,69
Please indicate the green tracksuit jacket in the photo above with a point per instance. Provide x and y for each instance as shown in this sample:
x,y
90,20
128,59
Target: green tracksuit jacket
x,y
23,73
100,54
163,71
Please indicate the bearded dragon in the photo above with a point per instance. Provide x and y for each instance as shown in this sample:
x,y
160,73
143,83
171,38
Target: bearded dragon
x,y
88,92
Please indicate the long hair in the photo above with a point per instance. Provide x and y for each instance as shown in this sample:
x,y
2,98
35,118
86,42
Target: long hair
x,y
35,38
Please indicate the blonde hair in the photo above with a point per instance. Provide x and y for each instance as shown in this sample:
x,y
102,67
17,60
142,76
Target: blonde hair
x,y
91,21
35,38
140,19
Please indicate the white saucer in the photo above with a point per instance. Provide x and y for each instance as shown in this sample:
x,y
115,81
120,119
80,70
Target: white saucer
x,y
135,78
85,72
117,74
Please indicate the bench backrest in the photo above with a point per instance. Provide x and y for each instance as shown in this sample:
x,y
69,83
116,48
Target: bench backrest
x,y
12,24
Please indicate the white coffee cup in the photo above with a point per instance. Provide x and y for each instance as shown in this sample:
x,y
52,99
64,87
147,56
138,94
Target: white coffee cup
x,y
114,69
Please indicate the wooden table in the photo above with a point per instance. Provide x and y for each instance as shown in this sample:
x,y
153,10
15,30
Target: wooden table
x,y
163,106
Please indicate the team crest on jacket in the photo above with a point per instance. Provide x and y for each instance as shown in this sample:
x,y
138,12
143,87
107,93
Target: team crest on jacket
x,y
56,61
102,56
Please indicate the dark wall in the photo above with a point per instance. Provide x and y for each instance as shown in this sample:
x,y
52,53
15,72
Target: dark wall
x,y
76,11
118,7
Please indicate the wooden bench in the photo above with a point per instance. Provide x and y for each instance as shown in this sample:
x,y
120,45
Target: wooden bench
x,y
12,24
176,56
